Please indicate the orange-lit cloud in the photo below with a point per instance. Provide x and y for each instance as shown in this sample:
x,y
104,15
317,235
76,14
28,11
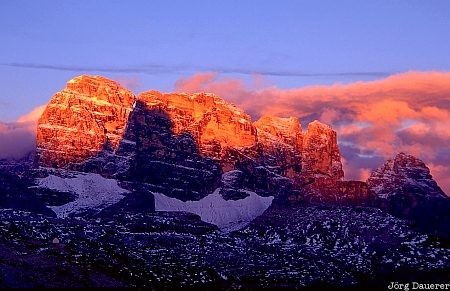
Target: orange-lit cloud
x,y
407,112
17,139
32,116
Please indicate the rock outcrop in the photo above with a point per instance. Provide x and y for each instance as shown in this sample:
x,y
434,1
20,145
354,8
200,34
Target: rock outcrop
x,y
87,116
280,143
322,175
337,192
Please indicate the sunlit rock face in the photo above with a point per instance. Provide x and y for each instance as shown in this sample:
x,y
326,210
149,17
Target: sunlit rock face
x,y
277,129
322,175
320,155
90,114
224,134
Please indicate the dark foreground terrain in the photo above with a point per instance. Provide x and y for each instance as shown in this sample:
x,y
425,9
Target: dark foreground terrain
x,y
309,246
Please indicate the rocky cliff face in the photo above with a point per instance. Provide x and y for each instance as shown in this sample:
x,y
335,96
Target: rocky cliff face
x,y
337,192
273,129
280,142
322,175
89,115
224,134
320,155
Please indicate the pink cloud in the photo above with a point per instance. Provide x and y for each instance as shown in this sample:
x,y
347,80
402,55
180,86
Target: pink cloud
x,y
407,112
195,83
440,174
33,115
132,83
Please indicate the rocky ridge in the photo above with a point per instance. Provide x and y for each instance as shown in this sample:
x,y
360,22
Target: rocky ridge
x,y
187,145
182,143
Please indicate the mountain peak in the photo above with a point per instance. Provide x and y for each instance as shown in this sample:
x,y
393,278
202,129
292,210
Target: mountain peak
x,y
91,79
82,77
404,174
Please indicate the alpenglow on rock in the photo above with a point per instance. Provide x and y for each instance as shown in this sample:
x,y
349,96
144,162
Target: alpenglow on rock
x,y
90,114
320,155
278,129
182,143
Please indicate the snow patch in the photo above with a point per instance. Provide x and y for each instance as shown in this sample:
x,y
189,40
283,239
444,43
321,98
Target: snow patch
x,y
93,191
228,215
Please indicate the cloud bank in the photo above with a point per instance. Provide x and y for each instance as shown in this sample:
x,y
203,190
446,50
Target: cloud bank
x,y
407,112
18,139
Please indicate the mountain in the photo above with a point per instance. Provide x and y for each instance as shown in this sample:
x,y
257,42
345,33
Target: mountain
x,y
179,143
403,175
90,113
186,146
163,190
405,188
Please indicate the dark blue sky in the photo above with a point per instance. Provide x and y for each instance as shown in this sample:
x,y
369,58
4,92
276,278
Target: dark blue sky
x,y
291,43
